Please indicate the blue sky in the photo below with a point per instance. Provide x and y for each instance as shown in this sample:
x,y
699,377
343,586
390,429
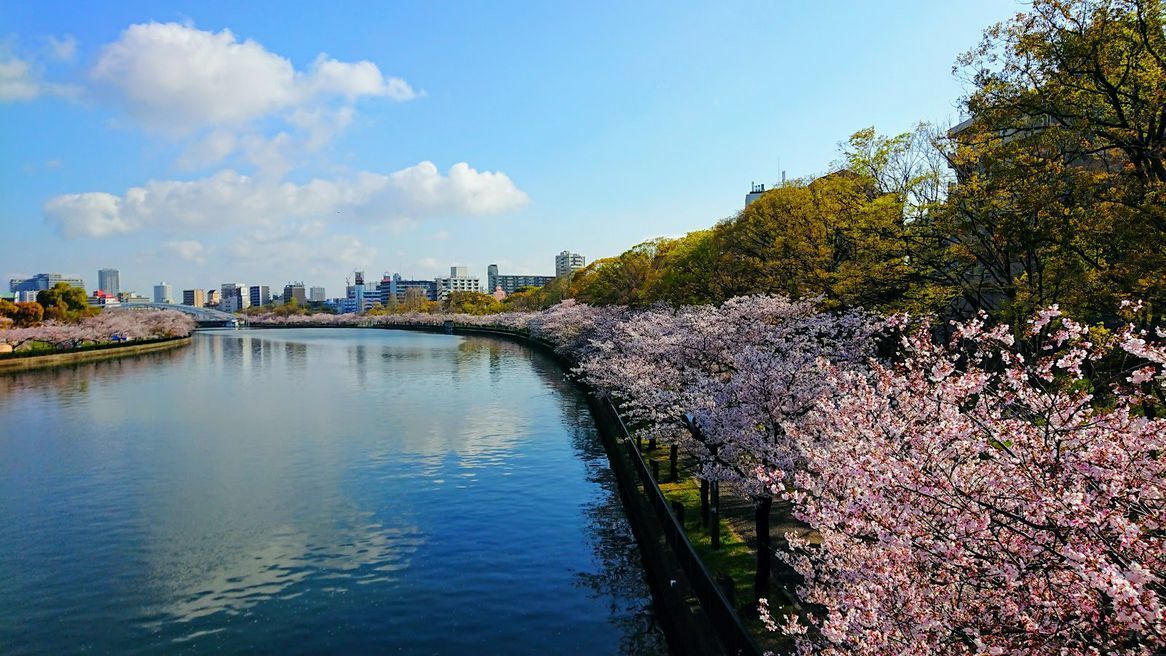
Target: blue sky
x,y
201,143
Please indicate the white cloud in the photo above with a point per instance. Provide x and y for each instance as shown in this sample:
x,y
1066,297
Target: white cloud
x,y
441,235
177,78
186,249
272,157
63,48
353,80
321,124
170,74
94,214
16,81
229,199
209,150
20,81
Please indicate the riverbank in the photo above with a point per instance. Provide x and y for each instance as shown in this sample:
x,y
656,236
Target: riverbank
x,y
22,362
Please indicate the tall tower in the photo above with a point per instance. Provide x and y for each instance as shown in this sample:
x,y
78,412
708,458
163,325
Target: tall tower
x,y
491,278
163,293
108,281
359,291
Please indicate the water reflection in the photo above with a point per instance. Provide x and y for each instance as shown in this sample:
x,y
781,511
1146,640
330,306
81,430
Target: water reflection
x,y
73,382
275,566
313,491
619,581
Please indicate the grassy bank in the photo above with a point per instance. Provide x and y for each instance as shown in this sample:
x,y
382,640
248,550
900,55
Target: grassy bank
x,y
38,359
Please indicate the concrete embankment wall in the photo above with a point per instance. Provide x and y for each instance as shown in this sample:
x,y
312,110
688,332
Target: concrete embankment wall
x,y
25,363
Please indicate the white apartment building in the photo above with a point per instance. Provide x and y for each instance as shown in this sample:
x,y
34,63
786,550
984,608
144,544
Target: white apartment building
x,y
459,280
568,262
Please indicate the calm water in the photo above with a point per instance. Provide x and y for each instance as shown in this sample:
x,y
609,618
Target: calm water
x,y
313,491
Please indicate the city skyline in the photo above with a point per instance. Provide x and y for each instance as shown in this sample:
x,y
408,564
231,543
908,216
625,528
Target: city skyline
x,y
308,151
108,277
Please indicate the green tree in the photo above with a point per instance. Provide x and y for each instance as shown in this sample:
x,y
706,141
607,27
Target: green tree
x,y
415,301
838,237
7,308
689,270
621,280
1062,191
28,314
64,302
471,303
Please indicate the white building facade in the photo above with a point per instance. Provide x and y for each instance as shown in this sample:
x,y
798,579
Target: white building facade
x,y
567,263
459,280
163,293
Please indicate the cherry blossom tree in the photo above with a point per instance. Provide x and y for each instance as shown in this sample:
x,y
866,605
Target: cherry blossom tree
x,y
741,373
974,499
107,326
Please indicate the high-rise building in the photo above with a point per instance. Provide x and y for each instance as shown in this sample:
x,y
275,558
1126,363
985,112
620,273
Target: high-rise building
x,y
194,297
213,296
399,288
459,280
316,295
384,290
163,293
567,263
294,291
260,295
235,297
109,281
511,283
43,281
491,278
360,296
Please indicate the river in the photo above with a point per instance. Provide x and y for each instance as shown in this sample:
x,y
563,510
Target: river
x,y
313,491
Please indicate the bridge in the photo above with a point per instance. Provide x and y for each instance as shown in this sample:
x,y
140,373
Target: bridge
x,y
206,317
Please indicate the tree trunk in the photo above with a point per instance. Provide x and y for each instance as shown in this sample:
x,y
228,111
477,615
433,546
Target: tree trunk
x,y
704,502
715,516
764,546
